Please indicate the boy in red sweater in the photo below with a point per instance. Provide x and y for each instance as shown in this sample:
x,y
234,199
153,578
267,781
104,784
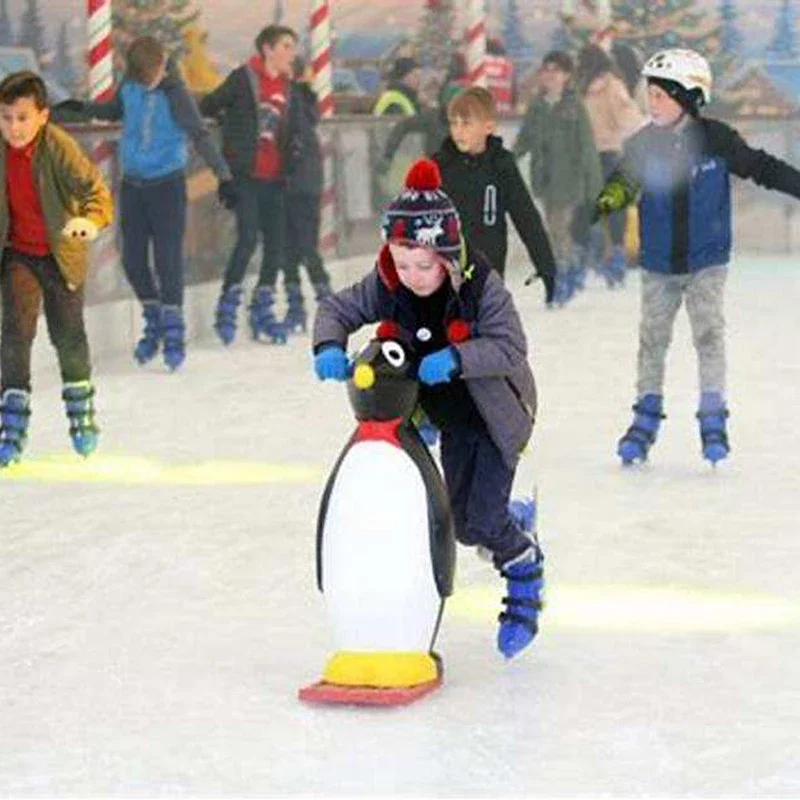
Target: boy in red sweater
x,y
53,204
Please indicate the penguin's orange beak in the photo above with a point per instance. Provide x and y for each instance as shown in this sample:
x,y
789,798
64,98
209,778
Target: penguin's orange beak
x,y
364,377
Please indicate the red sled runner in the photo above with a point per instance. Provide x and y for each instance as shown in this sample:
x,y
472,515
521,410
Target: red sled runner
x,y
332,694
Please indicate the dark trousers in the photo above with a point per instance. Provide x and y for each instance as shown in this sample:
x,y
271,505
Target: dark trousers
x,y
302,238
479,485
261,209
26,281
154,211
616,221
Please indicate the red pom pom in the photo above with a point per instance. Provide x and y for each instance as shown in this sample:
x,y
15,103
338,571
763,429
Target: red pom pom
x,y
458,331
388,329
424,176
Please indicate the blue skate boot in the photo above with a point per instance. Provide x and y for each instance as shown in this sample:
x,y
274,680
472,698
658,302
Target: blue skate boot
x,y
264,326
174,332
713,434
225,316
147,347
563,290
576,272
641,435
519,623
79,403
295,319
615,268
15,412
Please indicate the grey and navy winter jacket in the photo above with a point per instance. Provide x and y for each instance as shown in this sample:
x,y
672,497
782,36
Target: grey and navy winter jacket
x,y
492,347
234,104
156,126
486,187
682,179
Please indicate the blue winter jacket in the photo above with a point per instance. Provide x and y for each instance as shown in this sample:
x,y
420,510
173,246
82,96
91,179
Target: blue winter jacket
x,y
156,126
682,177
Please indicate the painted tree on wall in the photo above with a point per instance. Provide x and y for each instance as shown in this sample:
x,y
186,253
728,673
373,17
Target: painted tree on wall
x,y
436,34
6,31
731,39
63,67
31,30
783,46
166,20
517,46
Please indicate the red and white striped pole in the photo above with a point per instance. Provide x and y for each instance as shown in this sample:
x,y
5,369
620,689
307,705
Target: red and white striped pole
x,y
101,66
101,87
322,65
476,42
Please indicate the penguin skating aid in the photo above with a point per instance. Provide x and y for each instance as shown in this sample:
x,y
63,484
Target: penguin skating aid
x,y
385,543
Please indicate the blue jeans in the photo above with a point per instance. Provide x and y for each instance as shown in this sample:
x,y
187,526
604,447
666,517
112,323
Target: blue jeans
x,y
261,209
154,211
479,483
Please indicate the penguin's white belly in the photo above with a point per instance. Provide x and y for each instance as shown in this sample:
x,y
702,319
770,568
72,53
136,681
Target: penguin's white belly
x,y
377,575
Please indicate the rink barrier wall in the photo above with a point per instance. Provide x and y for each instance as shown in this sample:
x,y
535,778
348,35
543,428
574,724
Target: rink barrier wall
x,y
360,197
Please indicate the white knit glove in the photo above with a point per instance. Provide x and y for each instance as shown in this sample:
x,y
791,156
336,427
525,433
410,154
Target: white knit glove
x,y
80,228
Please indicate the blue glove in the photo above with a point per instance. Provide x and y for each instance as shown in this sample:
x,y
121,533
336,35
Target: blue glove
x,y
332,364
439,367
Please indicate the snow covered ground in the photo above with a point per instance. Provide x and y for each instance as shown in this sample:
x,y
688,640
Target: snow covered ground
x,y
158,610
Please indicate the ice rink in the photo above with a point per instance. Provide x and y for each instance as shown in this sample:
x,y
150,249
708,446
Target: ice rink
x,y
158,610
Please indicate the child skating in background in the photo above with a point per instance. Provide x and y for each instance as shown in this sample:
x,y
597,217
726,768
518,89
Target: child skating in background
x,y
476,384
54,203
485,184
158,118
565,168
679,166
303,208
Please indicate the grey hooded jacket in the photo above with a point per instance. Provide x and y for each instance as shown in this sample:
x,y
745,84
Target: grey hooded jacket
x,y
494,360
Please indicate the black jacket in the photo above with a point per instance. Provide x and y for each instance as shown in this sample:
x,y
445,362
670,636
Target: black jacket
x,y
233,105
484,189
306,176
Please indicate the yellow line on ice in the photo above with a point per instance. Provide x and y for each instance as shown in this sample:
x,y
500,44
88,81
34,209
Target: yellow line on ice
x,y
134,471
648,609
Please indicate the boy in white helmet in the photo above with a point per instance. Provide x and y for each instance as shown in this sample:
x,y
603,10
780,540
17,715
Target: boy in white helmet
x,y
679,167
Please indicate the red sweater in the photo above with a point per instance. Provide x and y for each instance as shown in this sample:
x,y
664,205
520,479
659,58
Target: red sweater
x,y
272,104
27,231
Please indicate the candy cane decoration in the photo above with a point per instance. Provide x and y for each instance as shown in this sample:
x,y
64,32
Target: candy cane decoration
x,y
101,67
476,42
321,63
101,88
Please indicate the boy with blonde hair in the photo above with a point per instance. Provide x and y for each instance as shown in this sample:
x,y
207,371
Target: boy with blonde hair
x,y
485,184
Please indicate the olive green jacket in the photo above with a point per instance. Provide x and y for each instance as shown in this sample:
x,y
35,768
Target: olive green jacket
x,y
70,185
565,166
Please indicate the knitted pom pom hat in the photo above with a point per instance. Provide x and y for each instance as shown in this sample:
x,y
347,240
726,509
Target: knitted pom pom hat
x,y
423,214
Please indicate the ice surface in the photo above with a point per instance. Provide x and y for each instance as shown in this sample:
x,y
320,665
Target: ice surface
x,y
158,609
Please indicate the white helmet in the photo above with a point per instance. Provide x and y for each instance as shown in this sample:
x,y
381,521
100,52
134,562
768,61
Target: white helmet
x,y
685,67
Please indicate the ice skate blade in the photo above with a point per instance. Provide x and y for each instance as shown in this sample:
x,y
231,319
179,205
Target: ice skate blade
x,y
323,693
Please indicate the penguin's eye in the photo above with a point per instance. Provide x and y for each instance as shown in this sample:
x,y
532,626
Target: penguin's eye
x,y
394,354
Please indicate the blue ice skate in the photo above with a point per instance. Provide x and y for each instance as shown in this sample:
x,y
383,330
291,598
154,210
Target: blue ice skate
x,y
519,622
147,347
639,438
174,332
264,325
713,416
225,315
614,270
79,404
295,320
15,412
